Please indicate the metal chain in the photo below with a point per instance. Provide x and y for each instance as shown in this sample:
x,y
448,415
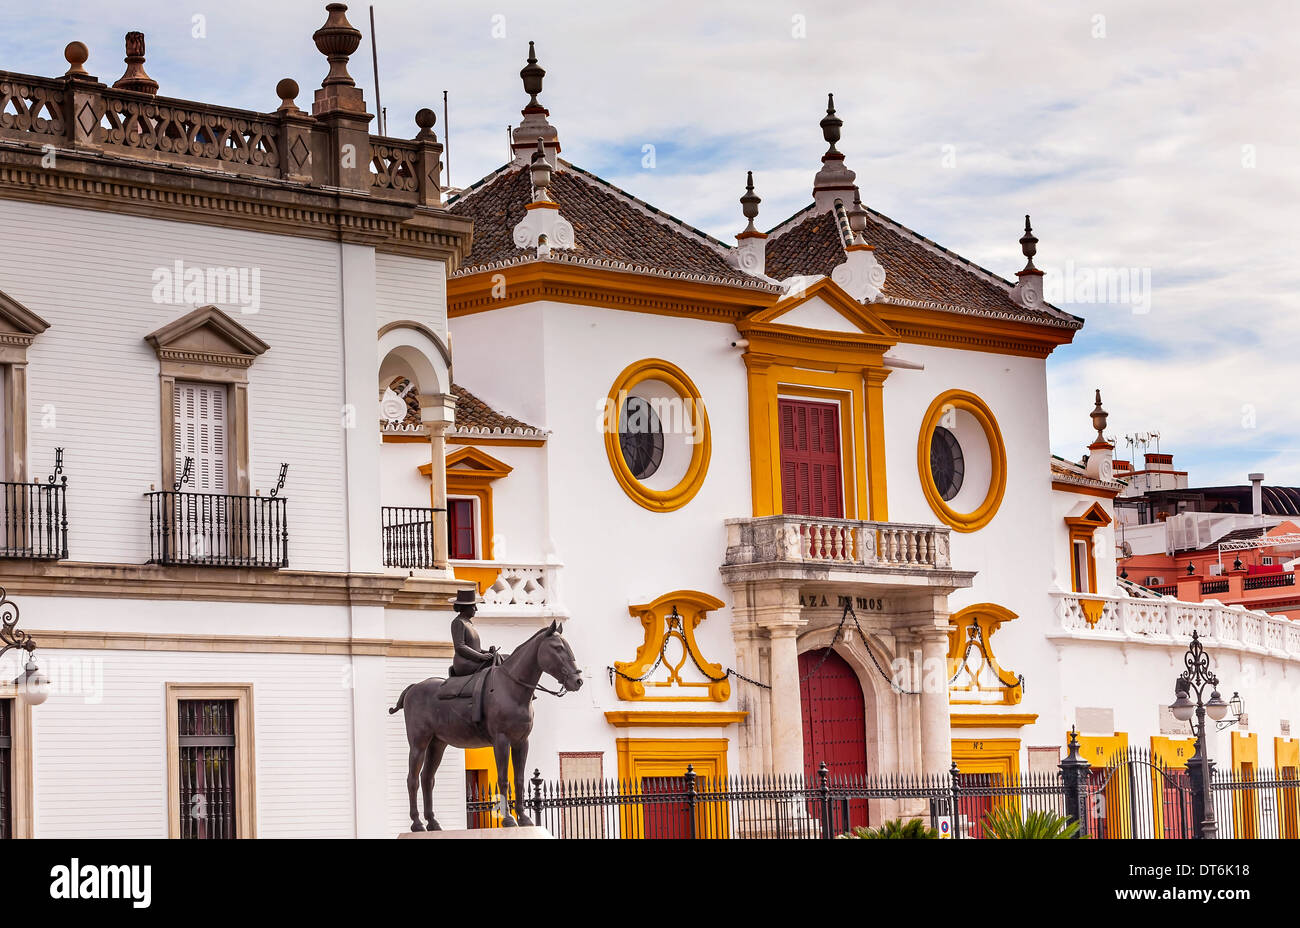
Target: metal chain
x,y
613,671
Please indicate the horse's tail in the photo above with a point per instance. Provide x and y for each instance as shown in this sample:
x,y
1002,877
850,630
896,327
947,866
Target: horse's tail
x,y
401,701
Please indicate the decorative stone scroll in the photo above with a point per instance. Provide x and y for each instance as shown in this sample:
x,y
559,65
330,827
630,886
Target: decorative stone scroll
x,y
672,617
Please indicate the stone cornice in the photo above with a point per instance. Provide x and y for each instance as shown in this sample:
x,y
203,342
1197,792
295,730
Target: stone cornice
x,y
218,584
91,180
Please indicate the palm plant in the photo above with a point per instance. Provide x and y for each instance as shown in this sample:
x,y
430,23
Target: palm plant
x,y
1007,822
894,829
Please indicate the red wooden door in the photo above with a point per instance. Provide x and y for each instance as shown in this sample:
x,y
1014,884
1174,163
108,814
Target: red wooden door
x,y
811,482
667,814
834,724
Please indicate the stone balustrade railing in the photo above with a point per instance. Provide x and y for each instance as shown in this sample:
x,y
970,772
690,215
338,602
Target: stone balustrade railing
x,y
1166,621
76,113
836,542
518,586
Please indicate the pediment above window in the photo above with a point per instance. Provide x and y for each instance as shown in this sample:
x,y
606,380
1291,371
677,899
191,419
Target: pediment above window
x,y
206,337
18,326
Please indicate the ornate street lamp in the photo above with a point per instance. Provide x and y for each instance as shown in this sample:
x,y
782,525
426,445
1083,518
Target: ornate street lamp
x,y
1195,679
33,686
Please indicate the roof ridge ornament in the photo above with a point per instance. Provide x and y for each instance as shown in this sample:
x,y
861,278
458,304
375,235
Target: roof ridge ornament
x,y
1028,292
534,126
834,180
542,227
1101,453
861,275
750,253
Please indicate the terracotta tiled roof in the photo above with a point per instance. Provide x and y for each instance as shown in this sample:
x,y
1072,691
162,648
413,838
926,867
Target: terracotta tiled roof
x,y
474,415
918,272
608,224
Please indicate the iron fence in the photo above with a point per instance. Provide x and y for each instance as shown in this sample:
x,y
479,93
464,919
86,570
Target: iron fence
x,y
408,536
214,529
1257,803
35,520
1133,796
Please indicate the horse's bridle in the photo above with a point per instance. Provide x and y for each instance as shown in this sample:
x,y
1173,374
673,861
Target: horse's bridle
x,y
535,686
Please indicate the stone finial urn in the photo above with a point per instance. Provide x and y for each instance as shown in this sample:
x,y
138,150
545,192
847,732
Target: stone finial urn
x,y
337,40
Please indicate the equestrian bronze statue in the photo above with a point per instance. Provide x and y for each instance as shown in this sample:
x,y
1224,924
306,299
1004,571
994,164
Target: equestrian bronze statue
x,y
486,701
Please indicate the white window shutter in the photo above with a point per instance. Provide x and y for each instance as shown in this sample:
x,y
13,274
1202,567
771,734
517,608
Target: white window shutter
x,y
200,410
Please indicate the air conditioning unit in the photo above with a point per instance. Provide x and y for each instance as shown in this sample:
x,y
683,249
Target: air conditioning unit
x,y
1154,581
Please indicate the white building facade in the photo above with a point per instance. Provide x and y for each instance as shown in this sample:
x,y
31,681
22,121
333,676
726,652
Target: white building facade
x,y
717,447
202,310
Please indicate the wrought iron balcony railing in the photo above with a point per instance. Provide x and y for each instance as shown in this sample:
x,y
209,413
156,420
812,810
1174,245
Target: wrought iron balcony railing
x,y
408,536
35,520
213,529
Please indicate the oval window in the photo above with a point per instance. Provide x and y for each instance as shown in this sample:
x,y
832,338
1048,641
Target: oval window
x,y
947,465
640,437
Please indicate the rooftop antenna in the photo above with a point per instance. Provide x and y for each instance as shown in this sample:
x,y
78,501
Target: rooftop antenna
x,y
374,56
446,138
510,148
1156,437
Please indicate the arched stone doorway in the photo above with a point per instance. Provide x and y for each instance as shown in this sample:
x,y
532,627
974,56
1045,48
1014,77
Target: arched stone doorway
x,y
834,721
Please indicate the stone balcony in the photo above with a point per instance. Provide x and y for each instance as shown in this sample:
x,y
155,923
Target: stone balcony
x,y
803,548
1168,621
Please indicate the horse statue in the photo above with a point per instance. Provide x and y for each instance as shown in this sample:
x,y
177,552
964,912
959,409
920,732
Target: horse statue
x,y
497,712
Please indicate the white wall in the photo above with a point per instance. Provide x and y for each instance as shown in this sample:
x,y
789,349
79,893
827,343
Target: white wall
x,y
100,767
411,289
615,552
93,381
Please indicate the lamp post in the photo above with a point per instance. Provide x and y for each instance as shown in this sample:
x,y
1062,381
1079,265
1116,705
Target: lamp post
x,y
1196,678
33,686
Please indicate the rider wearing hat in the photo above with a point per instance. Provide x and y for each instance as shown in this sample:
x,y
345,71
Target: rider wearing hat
x,y
468,659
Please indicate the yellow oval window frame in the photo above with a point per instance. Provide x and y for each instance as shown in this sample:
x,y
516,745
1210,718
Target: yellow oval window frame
x,y
684,387
979,410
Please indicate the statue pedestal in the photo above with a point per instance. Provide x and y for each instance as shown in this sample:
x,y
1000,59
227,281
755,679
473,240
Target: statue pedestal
x,y
489,834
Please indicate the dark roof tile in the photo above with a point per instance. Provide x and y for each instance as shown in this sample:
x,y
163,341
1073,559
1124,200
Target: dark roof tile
x,y
608,224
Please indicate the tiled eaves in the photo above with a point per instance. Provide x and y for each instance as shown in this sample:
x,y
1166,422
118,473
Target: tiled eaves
x,y
606,264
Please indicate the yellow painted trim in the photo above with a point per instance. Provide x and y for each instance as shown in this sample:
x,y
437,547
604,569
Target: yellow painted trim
x,y
1098,750
547,281
1245,749
1084,491
672,718
858,391
686,488
1245,763
1001,720
471,473
471,462
1172,754
997,756
639,758
476,440
976,407
1083,528
694,608
871,326
1286,754
987,755
987,618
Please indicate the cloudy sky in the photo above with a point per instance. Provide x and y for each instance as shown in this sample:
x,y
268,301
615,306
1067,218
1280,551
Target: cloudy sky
x,y
1153,141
